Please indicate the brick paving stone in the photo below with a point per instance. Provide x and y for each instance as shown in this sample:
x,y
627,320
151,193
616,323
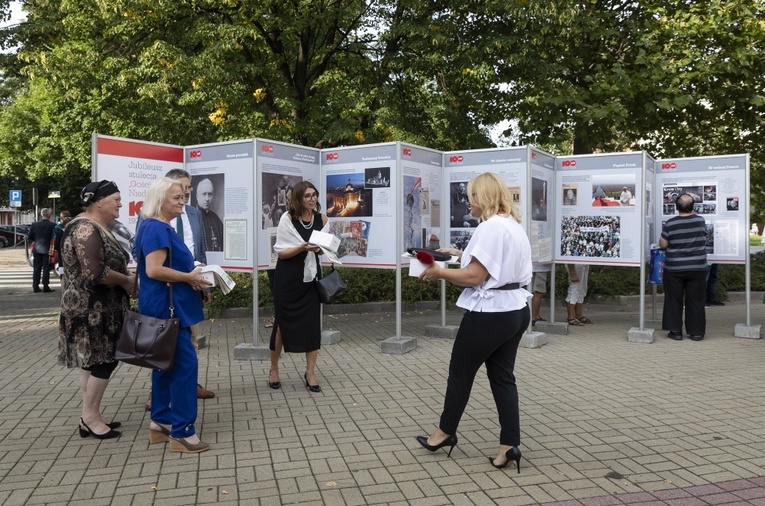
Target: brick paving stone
x,y
638,411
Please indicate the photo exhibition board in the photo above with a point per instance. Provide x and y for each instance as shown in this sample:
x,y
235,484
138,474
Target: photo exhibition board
x,y
222,177
541,204
719,186
421,197
133,165
279,167
359,186
599,216
649,206
510,164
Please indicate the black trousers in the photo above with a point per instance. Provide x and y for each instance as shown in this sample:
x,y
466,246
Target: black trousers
x,y
40,266
490,338
687,288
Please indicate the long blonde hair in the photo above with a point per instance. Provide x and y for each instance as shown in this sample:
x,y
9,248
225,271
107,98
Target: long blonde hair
x,y
156,196
490,193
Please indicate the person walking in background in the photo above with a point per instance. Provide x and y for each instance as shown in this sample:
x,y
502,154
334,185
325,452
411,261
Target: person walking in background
x,y
64,218
577,291
163,259
538,289
685,271
494,266
95,292
40,236
713,275
190,230
297,309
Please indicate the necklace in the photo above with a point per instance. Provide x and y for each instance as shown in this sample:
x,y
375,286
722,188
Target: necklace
x,y
310,225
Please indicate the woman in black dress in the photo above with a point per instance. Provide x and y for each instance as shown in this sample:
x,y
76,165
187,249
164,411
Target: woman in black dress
x,y
297,328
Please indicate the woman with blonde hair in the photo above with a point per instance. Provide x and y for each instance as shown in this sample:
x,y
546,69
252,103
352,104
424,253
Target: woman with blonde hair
x,y
494,266
164,259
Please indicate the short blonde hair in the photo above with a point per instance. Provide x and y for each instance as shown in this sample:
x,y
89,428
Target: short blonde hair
x,y
156,196
490,193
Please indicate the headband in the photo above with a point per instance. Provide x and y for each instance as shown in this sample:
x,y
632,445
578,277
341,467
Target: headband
x,y
96,191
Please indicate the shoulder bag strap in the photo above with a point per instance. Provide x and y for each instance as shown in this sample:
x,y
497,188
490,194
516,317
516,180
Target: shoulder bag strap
x,y
170,284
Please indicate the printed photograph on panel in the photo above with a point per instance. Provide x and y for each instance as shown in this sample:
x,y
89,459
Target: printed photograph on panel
x,y
570,192
613,190
377,178
460,206
412,216
705,208
731,204
538,199
710,192
671,192
207,196
459,239
276,191
590,236
347,196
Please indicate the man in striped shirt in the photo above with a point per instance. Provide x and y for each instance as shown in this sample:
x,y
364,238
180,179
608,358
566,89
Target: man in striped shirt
x,y
684,237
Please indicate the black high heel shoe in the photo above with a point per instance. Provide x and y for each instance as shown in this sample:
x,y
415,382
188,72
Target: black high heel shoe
x,y
450,441
111,425
273,384
513,453
86,431
312,388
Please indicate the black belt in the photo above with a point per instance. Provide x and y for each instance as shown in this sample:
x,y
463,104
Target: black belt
x,y
509,286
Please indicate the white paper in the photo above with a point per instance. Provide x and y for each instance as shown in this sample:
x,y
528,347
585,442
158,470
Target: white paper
x,y
217,276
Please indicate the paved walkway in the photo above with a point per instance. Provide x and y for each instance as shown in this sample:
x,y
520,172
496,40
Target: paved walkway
x,y
604,421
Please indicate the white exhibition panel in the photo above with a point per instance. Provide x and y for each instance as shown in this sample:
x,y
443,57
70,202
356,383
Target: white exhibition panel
x,y
571,205
422,198
510,164
360,185
133,166
541,206
719,186
222,175
595,225
279,167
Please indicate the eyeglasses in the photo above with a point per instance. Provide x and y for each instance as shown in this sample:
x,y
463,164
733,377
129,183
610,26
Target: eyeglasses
x,y
311,196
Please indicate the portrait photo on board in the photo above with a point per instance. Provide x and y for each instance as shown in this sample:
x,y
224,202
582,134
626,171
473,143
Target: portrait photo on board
x,y
207,195
459,209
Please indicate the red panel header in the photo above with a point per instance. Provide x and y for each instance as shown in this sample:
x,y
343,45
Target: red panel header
x,y
139,150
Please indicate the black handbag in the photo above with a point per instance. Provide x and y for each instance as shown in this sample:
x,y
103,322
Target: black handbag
x,y
330,286
147,341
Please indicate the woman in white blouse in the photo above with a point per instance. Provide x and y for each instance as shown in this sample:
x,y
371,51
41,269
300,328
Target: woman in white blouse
x,y
494,266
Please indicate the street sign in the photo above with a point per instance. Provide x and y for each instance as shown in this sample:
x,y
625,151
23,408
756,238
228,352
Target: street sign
x,y
54,194
15,198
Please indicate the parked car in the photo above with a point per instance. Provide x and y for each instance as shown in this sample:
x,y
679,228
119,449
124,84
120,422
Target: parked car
x,y
10,238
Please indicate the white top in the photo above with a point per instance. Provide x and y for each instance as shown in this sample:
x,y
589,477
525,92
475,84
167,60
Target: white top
x,y
503,247
188,234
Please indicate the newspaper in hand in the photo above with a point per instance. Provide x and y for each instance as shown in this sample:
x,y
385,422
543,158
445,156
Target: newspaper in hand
x,y
217,276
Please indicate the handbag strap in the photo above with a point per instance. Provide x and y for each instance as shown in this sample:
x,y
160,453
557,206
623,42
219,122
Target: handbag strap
x,y
169,284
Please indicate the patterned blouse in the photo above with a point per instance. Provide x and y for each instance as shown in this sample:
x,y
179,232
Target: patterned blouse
x,y
91,313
